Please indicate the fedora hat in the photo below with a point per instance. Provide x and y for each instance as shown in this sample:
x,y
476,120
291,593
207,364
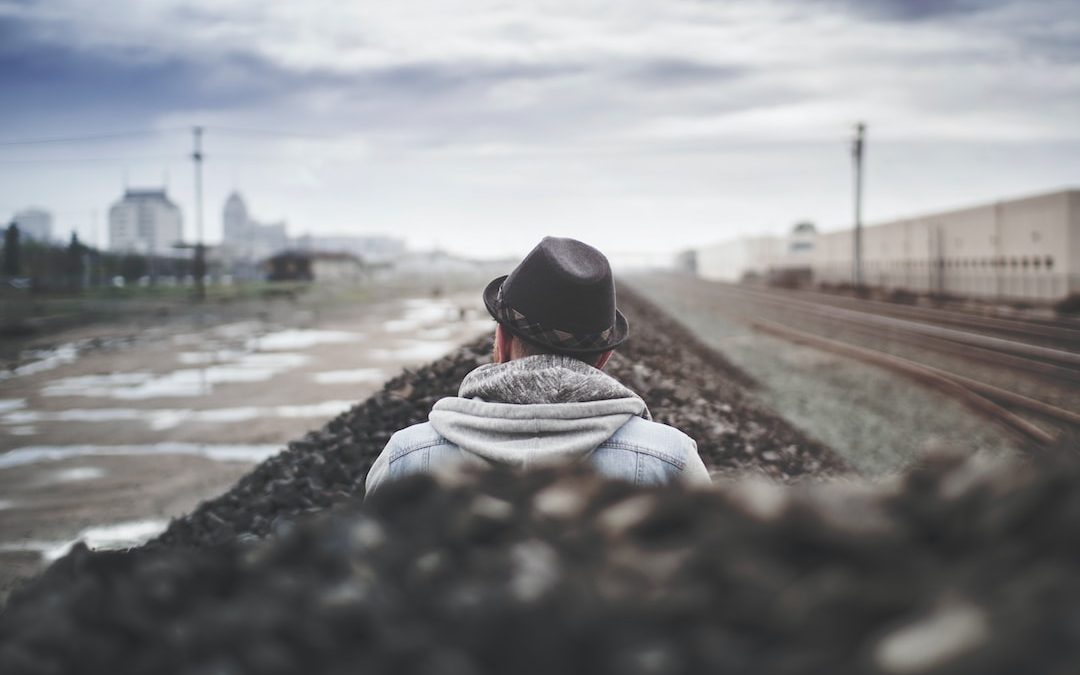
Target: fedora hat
x,y
561,296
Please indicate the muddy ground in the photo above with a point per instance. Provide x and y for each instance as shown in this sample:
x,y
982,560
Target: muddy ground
x,y
108,431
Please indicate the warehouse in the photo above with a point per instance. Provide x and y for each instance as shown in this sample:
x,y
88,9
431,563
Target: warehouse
x,y
1021,249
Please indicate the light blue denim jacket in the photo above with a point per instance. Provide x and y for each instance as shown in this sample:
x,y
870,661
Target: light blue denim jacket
x,y
542,410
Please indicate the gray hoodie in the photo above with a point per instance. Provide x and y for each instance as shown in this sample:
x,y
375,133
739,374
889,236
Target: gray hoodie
x,y
541,410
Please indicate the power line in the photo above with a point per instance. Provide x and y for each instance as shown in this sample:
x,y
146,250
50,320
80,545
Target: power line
x,y
250,131
137,158
89,137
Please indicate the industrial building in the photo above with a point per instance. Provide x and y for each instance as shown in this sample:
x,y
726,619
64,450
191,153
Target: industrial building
x,y
1020,249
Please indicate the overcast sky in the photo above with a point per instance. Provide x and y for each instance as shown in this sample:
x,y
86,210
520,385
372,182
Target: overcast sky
x,y
480,125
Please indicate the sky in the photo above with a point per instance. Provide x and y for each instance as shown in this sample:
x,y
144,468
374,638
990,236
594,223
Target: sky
x,y
478,127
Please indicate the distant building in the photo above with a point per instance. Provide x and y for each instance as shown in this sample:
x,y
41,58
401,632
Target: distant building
x,y
234,219
34,224
336,267
145,221
289,266
323,266
372,249
744,258
244,239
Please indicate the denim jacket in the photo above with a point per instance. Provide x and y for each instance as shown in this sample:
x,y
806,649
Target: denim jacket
x,y
541,410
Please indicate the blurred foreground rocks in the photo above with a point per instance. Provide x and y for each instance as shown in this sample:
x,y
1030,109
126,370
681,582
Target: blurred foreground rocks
x,y
955,568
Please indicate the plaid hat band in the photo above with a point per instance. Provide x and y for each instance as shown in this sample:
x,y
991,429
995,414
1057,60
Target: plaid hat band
x,y
553,337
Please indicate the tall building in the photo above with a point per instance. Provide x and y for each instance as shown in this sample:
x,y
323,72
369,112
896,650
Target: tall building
x,y
246,239
34,223
145,221
235,220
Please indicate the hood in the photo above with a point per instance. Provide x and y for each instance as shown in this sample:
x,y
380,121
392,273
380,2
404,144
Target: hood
x,y
535,410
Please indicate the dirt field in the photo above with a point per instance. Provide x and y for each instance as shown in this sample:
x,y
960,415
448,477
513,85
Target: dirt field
x,y
113,430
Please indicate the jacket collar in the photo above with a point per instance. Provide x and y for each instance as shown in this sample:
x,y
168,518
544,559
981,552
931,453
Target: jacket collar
x,y
546,378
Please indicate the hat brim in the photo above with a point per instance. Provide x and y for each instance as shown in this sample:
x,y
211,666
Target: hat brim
x,y
618,336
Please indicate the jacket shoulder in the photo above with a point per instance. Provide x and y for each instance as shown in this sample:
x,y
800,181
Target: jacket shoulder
x,y
410,439
656,439
408,451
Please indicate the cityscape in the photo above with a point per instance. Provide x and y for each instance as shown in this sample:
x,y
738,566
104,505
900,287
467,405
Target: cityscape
x,y
146,223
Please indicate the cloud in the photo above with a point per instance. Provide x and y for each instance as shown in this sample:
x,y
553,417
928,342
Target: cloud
x,y
913,10
597,110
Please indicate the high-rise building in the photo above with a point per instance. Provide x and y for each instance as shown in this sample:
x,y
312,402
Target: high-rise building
x,y
34,223
244,238
145,221
235,221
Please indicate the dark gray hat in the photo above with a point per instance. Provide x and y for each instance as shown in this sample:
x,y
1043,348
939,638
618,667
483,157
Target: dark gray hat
x,y
561,296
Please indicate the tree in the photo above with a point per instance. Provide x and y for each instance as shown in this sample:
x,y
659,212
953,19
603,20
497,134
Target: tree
x,y
133,267
12,257
74,264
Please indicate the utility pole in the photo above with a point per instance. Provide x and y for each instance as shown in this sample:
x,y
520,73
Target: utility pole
x,y
857,157
199,270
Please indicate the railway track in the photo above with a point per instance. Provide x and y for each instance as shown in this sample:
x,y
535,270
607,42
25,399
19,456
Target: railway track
x,y
1059,333
936,346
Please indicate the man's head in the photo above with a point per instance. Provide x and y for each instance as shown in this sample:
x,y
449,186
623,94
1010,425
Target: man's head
x,y
559,300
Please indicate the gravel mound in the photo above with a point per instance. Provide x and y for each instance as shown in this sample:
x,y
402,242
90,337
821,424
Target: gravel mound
x,y
684,383
956,568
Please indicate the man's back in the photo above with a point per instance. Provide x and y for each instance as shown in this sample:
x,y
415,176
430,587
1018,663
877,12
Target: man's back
x,y
545,398
540,410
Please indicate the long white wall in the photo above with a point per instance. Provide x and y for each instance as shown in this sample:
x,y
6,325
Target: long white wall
x,y
1025,249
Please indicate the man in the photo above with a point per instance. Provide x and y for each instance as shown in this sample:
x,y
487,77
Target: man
x,y
544,398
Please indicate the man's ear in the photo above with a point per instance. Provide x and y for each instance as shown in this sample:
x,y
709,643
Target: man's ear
x,y
503,342
602,360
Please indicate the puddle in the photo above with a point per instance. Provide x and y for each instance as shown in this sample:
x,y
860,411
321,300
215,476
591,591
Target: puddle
x,y
103,537
27,430
415,351
75,474
422,312
350,376
327,409
42,360
72,415
439,333
6,504
36,454
300,339
161,419
239,329
179,383
7,404
203,358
